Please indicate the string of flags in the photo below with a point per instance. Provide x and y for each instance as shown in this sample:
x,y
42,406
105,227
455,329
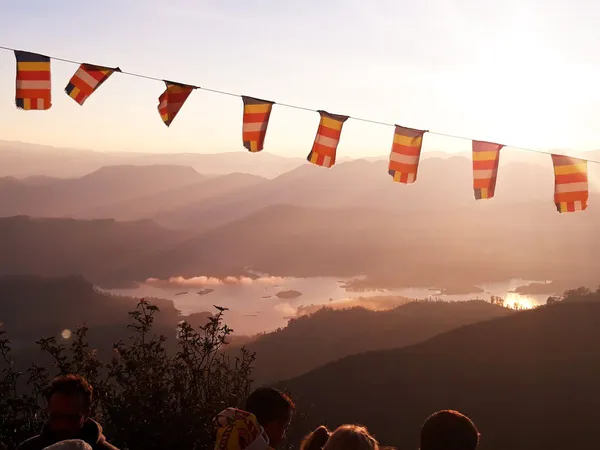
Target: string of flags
x,y
33,92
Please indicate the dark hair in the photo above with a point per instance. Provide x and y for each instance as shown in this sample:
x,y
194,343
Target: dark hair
x,y
71,385
269,404
449,430
316,440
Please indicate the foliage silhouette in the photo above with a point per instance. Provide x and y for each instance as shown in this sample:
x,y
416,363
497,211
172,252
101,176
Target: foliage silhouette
x,y
146,397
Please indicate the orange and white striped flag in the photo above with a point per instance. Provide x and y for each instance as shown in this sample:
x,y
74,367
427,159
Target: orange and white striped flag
x,y
405,154
328,137
33,86
171,101
86,80
570,183
486,157
255,122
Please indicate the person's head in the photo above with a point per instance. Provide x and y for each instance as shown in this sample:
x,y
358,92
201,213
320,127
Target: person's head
x,y
69,401
449,430
351,437
316,440
73,444
273,410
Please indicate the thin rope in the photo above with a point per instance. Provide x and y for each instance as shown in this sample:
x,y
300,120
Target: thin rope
x,y
302,108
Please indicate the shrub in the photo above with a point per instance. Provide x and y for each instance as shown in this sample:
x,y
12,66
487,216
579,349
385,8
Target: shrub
x,y
148,396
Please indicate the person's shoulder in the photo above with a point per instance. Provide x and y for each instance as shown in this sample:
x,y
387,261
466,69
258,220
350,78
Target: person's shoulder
x,y
34,443
105,445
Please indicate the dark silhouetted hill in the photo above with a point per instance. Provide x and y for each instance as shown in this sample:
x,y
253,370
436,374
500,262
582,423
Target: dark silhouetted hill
x,y
328,335
58,247
34,306
529,381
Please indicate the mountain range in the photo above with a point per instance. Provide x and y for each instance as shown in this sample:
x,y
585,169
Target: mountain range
x,y
172,220
446,249
180,197
22,160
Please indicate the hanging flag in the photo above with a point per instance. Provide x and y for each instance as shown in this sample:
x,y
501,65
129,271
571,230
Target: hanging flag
x,y
405,154
570,183
327,139
86,80
171,101
33,81
255,122
486,157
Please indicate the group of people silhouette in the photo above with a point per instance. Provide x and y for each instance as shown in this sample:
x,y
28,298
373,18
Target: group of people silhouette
x,y
261,425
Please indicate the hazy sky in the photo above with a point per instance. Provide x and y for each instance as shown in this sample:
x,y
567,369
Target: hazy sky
x,y
521,72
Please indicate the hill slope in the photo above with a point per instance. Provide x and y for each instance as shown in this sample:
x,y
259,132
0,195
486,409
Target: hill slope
x,y
71,197
328,335
439,248
179,198
529,381
58,247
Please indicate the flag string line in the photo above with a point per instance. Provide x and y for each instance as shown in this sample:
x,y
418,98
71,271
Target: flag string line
x,y
302,108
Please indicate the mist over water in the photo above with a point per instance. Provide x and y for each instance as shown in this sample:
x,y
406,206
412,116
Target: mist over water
x,y
255,307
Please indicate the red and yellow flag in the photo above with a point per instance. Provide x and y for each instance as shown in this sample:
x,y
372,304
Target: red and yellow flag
x,y
86,80
171,101
570,183
33,81
405,154
255,122
486,157
327,139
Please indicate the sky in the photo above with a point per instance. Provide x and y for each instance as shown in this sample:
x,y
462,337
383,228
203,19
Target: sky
x,y
517,72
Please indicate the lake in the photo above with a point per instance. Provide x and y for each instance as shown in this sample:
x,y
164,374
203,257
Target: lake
x,y
255,307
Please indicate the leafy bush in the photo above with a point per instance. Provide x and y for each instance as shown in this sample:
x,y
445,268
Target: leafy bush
x,y
146,396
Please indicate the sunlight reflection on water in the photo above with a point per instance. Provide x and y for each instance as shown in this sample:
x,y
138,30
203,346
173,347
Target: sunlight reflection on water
x,y
255,307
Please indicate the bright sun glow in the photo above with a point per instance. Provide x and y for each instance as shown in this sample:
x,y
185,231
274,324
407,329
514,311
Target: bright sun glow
x,y
517,301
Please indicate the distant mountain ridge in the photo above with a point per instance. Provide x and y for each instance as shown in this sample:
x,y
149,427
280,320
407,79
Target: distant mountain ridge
x,y
70,197
19,159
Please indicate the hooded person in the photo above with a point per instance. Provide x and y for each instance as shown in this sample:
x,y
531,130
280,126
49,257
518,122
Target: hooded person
x,y
239,430
69,405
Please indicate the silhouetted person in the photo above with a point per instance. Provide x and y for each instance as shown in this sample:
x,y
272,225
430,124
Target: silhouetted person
x,y
273,410
315,440
449,430
351,437
69,404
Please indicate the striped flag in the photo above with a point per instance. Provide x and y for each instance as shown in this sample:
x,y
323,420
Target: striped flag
x,y
570,183
86,80
327,139
33,81
405,154
255,122
486,157
171,101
